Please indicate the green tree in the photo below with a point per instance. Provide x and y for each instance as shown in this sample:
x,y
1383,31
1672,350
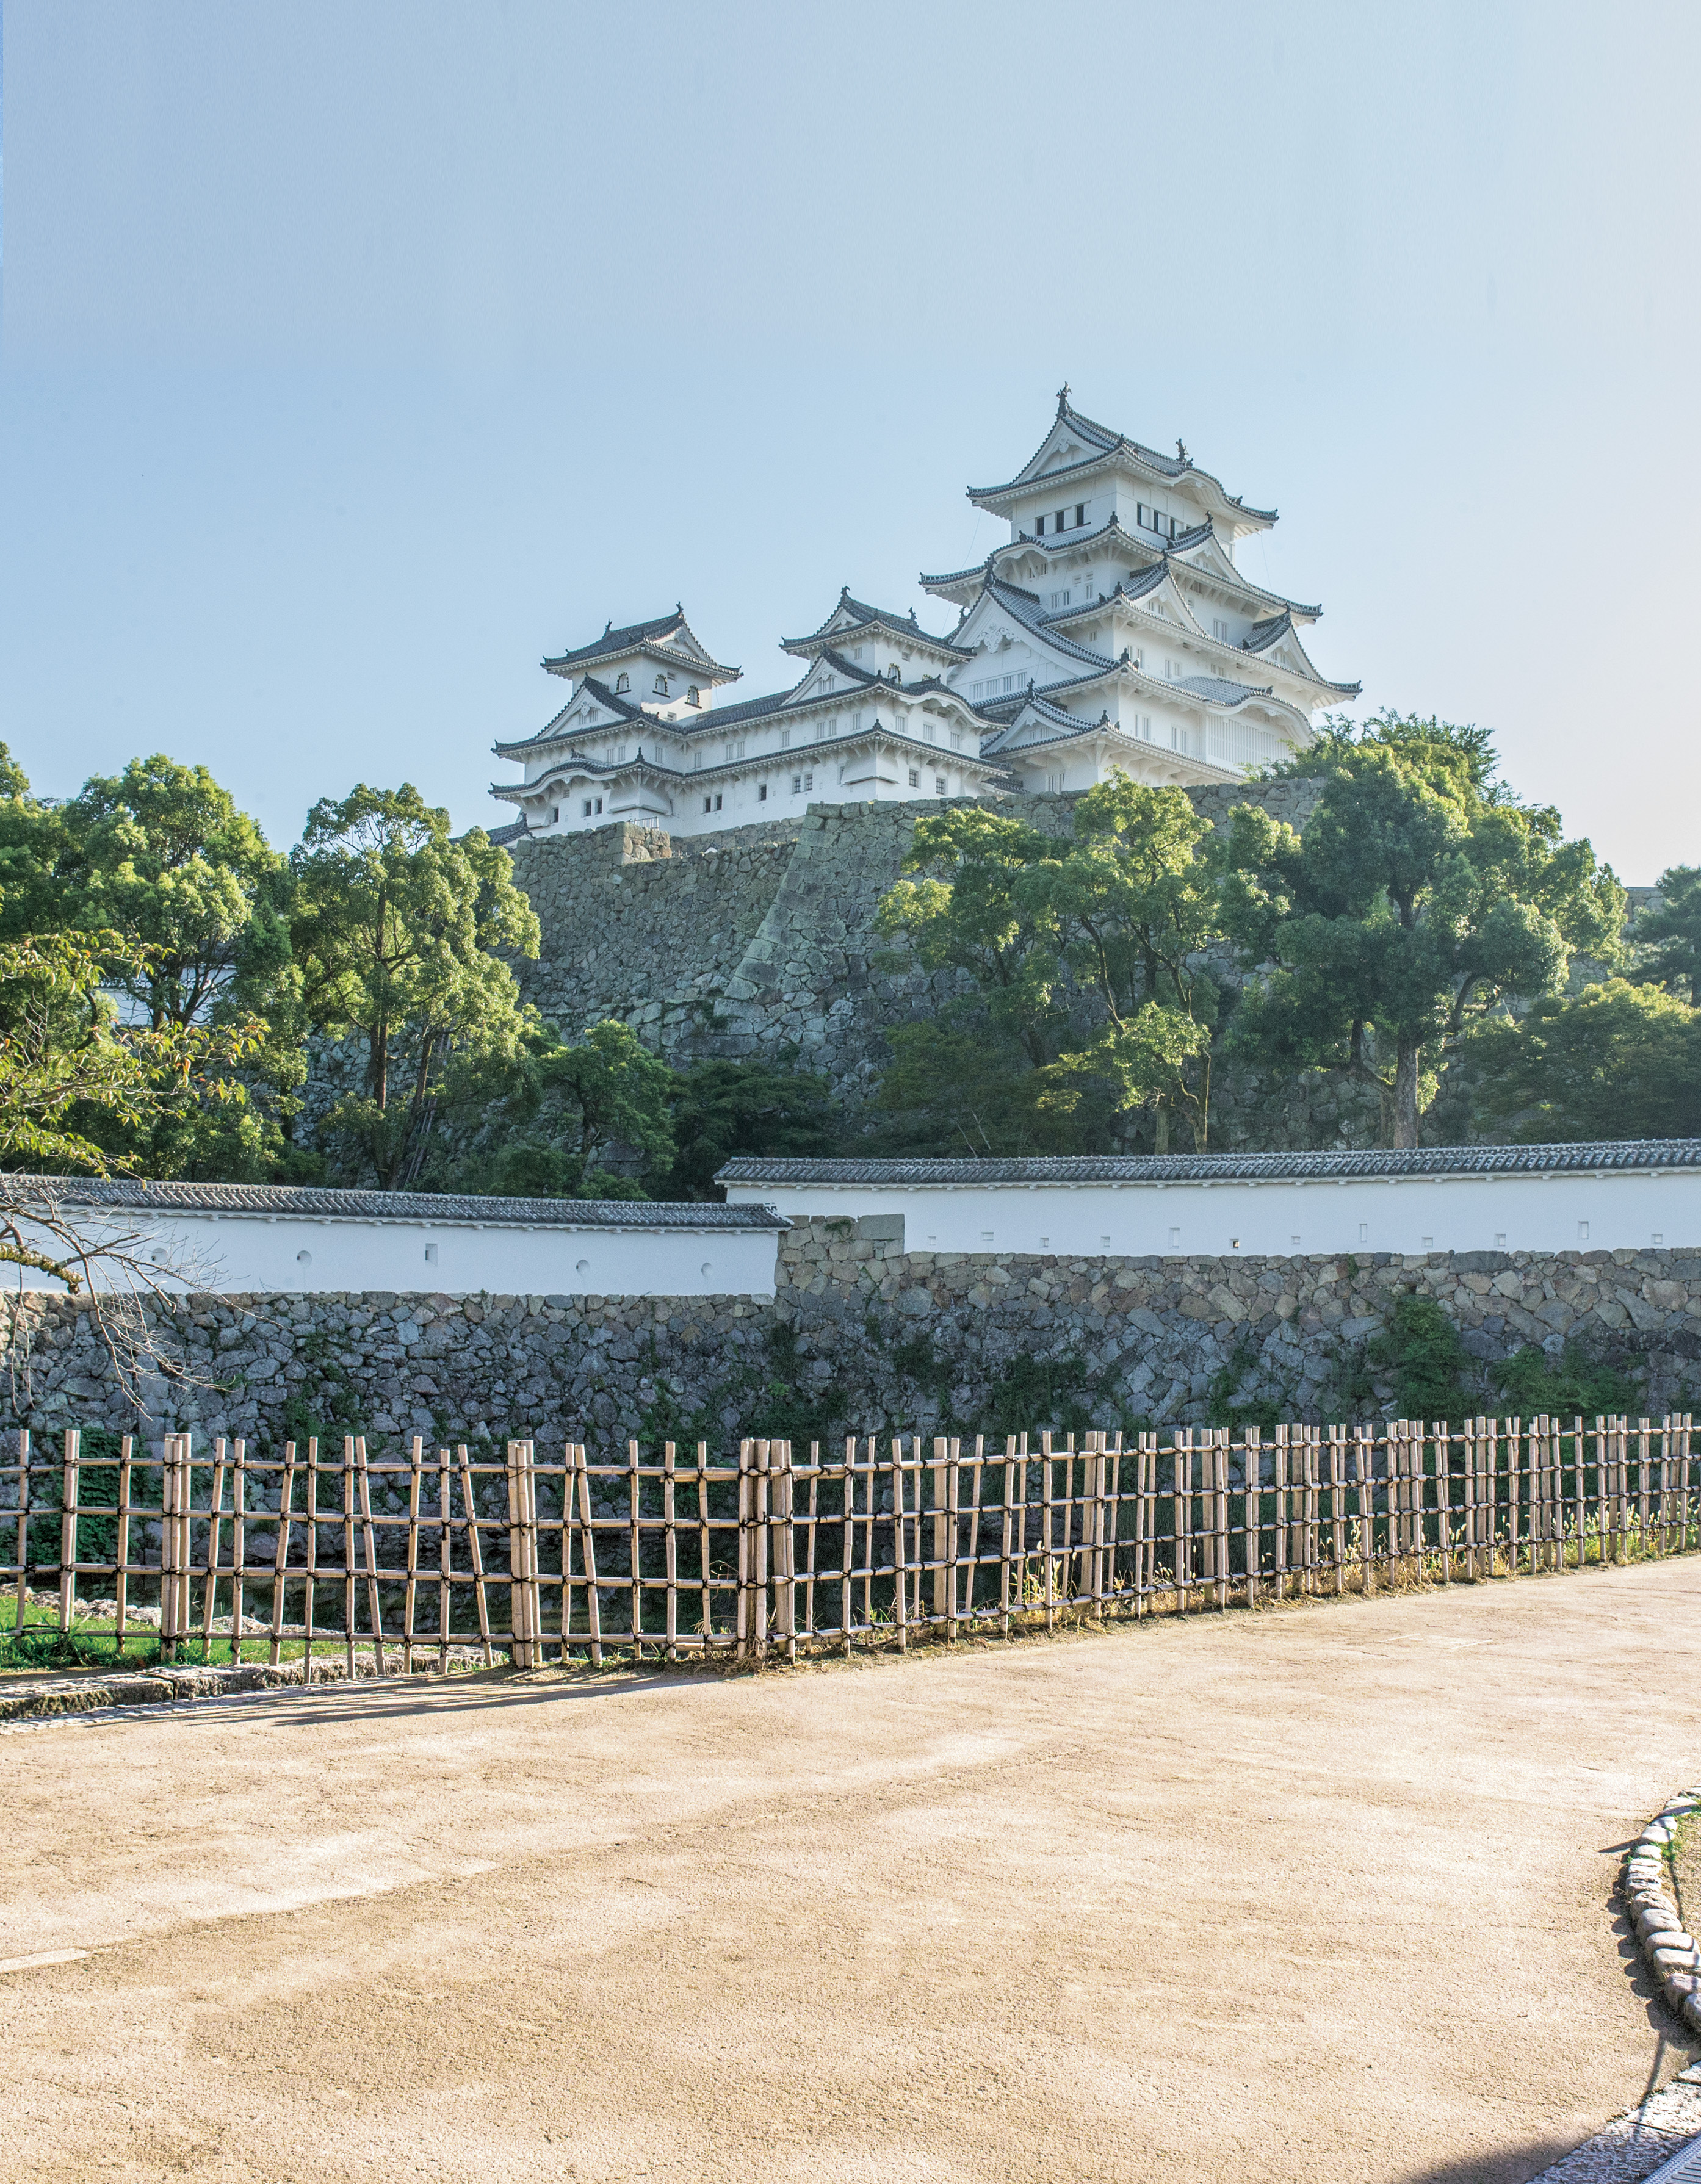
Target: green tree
x,y
1668,935
1419,898
972,909
1132,904
723,1108
1616,1061
393,926
163,856
568,1106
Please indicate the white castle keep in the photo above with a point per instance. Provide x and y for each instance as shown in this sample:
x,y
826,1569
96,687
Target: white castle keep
x,y
1113,630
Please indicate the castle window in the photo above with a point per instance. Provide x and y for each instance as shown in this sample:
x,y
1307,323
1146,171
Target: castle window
x,y
620,753
797,784
1081,512
708,803
892,672
939,784
661,686
621,682
915,777
691,696
588,807
555,814
1220,630
785,738
809,784
1040,526
955,740
1061,522
761,792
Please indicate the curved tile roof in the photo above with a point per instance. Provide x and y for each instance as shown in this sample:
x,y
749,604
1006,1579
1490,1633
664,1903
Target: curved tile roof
x,y
1651,1154
121,1194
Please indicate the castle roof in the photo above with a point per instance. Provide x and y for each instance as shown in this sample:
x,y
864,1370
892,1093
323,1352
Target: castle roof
x,y
550,732
1114,533
1104,447
668,637
850,617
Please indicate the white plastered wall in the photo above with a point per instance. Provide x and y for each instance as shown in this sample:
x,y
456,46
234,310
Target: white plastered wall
x,y
236,1254
1609,1210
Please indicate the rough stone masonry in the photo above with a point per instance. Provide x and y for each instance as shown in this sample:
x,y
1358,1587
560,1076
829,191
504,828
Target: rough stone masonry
x,y
859,1337
761,941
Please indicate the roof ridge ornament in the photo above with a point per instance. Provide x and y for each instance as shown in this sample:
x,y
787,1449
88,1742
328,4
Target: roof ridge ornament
x,y
1063,397
1181,452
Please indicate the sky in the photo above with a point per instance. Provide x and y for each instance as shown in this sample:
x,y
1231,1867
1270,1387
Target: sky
x,y
355,354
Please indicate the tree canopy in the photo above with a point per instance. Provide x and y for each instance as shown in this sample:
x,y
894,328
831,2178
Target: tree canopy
x,y
1414,903
1616,1061
393,925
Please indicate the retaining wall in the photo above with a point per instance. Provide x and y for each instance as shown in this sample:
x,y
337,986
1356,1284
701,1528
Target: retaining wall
x,y
861,1335
761,941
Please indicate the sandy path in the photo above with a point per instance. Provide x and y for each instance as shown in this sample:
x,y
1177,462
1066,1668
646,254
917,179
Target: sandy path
x,y
1320,1893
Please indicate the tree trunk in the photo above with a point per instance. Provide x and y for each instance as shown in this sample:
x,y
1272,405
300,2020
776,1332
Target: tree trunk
x,y
1406,1096
1160,1129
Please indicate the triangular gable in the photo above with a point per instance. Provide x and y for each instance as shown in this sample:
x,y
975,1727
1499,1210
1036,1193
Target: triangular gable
x,y
990,619
1207,553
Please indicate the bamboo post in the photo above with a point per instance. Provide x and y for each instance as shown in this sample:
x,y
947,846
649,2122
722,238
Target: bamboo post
x,y
18,1614
126,1450
310,1589
1047,1521
1337,1504
68,1529
1251,1465
415,1466
474,1549
445,1559
947,1550
785,1546
238,1546
1006,1535
369,1542
745,1639
587,1554
1365,1478
670,1520
900,1579
1219,1483
635,1533
519,1651
1643,1486
168,1540
215,1519
286,1503
847,1544
938,1558
349,1550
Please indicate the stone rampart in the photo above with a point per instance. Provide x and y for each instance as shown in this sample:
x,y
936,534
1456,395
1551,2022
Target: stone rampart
x,y
761,941
862,1336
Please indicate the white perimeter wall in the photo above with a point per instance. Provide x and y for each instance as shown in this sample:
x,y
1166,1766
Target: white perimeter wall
x,y
1563,1212
236,1254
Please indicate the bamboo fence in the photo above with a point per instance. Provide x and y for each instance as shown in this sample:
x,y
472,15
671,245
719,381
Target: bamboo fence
x,y
888,1543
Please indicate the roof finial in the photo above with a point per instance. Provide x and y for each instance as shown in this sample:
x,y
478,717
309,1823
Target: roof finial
x,y
1181,451
1063,397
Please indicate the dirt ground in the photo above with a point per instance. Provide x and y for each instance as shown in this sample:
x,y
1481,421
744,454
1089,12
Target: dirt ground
x,y
1323,1892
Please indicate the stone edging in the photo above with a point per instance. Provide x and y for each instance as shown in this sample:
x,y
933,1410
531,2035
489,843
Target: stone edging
x,y
1672,1952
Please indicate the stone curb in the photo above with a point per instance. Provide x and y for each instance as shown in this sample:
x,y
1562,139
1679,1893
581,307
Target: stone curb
x,y
1672,1954
73,1695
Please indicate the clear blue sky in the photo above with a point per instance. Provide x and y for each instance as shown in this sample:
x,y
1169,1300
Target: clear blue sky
x,y
357,353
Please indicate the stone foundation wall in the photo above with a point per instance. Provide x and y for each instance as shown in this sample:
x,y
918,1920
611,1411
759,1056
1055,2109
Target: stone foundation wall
x,y
861,1337
761,942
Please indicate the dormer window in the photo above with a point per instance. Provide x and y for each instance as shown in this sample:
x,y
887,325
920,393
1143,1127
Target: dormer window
x,y
622,682
661,686
892,672
692,697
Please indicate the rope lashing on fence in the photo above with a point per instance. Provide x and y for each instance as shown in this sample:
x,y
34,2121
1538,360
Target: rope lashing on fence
x,y
888,1542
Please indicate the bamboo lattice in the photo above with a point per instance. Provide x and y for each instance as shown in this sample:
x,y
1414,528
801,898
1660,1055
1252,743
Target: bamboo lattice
x,y
890,1541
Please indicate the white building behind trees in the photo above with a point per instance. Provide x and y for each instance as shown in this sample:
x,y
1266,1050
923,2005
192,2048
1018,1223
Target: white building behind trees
x,y
1111,629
